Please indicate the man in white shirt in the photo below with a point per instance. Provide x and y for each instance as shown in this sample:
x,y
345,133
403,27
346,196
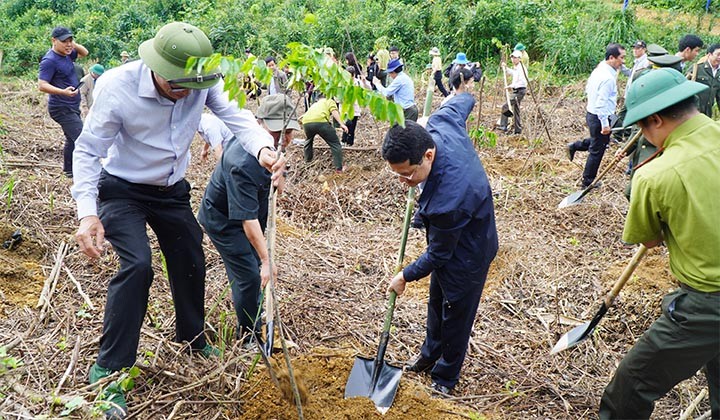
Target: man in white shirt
x,y
601,90
517,92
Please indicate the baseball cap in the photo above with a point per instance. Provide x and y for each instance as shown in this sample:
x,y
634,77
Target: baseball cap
x,y
656,91
639,44
124,54
516,54
167,53
62,33
272,109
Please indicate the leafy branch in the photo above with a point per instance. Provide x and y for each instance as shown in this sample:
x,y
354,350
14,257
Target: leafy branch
x,y
305,64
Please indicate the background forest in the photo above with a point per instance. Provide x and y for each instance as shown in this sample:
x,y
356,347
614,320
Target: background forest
x,y
567,35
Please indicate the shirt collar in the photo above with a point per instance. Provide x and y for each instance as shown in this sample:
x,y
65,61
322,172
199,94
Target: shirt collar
x,y
146,87
686,128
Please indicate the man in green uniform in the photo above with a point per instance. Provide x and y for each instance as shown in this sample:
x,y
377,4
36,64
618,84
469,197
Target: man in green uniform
x,y
644,151
675,199
707,74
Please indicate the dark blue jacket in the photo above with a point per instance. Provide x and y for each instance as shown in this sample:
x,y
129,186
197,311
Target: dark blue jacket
x,y
456,207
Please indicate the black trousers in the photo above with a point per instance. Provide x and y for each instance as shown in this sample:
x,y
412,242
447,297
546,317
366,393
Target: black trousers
x,y
438,82
516,97
411,113
596,145
449,324
349,137
71,123
125,209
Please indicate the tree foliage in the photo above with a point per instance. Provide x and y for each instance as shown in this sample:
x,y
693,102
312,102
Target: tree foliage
x,y
572,33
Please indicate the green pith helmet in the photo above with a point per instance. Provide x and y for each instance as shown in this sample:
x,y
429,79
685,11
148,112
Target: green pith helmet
x,y
656,91
167,53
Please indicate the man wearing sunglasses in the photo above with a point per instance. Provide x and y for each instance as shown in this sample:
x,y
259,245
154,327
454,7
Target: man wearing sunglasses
x,y
456,208
145,116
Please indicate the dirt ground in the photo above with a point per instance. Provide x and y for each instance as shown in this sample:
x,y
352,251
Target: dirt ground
x,y
337,242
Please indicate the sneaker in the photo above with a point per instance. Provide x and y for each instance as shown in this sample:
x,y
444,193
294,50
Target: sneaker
x,y
419,365
570,149
112,393
441,389
209,351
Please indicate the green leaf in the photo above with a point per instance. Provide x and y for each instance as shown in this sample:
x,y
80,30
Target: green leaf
x,y
310,19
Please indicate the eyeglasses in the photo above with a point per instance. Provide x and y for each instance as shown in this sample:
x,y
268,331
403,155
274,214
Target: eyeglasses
x,y
408,177
177,89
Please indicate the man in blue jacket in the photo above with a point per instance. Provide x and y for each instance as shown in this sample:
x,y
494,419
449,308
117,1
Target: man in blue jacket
x,y
456,208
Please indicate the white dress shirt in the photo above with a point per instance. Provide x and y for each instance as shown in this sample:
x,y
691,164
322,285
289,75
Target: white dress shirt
x,y
145,138
601,90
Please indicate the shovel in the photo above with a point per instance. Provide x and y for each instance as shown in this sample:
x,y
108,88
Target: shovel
x,y
577,196
374,378
508,112
582,332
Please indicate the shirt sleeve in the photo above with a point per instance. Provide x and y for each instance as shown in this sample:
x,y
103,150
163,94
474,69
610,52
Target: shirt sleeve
x,y
394,86
47,70
643,222
443,235
101,127
240,121
242,195
603,103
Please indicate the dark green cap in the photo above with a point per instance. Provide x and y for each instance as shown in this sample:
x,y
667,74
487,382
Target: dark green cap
x,y
655,50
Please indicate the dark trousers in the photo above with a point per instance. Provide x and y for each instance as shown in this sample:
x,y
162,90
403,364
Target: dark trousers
x,y
125,209
349,137
327,132
684,339
71,123
411,113
448,331
516,97
596,145
438,82
382,75
243,271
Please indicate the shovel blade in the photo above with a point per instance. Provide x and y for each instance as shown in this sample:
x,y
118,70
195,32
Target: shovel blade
x,y
572,199
382,392
573,337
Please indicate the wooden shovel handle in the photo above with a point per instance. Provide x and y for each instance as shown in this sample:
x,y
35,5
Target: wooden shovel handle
x,y
615,160
625,276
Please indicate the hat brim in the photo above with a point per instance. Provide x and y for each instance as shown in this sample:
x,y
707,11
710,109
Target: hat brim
x,y
665,99
64,37
393,68
170,71
277,125
665,60
461,61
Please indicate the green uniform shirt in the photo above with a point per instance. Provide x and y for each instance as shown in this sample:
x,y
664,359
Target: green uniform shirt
x,y
321,111
678,194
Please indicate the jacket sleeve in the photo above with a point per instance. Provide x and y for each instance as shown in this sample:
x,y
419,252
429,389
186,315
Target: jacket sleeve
x,y
443,235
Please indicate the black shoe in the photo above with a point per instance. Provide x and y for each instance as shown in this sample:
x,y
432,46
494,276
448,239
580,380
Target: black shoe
x,y
570,149
442,389
420,365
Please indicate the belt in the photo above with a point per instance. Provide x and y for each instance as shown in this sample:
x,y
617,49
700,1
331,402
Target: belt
x,y
691,289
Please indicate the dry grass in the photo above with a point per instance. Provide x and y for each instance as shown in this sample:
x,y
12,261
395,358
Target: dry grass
x,y
337,240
